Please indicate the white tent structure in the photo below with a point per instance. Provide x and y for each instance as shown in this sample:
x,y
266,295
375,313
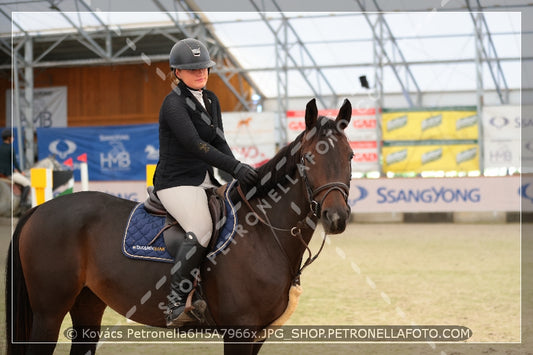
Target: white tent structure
x,y
390,53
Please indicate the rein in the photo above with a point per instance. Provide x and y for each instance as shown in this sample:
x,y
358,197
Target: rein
x,y
307,222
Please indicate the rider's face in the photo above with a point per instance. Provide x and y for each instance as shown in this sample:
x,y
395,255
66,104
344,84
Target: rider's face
x,y
195,78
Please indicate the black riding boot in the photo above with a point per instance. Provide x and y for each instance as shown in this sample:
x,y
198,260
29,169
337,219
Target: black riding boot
x,y
190,255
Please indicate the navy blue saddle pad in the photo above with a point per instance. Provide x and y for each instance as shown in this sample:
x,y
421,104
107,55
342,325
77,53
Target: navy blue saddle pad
x,y
142,239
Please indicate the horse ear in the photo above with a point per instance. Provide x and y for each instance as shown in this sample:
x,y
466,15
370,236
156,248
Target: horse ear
x,y
311,114
344,116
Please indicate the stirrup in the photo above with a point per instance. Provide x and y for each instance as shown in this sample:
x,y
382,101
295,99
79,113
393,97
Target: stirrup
x,y
193,315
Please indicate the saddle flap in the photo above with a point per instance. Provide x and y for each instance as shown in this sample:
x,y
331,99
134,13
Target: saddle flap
x,y
218,213
152,203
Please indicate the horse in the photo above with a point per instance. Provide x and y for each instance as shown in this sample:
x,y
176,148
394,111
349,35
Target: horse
x,y
10,194
65,255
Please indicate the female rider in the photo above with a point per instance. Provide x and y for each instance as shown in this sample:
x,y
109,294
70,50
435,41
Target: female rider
x,y
191,143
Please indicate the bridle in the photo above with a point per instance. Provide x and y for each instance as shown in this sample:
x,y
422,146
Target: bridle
x,y
316,206
309,221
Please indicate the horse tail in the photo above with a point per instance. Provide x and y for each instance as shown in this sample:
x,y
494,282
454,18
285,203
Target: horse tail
x,y
19,315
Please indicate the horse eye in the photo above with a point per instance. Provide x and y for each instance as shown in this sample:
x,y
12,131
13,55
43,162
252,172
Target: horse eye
x,y
351,156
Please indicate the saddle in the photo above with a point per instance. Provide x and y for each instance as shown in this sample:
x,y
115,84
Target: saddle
x,y
173,233
153,234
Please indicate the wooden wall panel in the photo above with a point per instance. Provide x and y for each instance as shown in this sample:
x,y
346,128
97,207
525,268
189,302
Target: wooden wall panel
x,y
117,94
5,84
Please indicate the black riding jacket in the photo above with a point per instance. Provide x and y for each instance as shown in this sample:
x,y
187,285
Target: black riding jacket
x,y
191,140
8,160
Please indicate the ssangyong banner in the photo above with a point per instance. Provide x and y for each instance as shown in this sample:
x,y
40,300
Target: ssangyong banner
x,y
361,132
473,194
526,124
501,132
250,135
113,153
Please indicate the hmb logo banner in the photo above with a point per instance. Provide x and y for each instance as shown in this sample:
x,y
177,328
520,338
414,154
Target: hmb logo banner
x,y
113,153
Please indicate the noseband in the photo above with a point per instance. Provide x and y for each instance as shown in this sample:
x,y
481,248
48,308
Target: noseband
x,y
316,206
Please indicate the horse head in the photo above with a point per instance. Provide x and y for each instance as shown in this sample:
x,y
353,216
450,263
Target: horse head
x,y
325,166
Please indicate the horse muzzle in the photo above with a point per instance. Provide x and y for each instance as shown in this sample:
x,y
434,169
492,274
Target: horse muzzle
x,y
334,220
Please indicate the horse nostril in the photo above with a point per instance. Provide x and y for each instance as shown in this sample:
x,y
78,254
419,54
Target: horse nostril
x,y
331,217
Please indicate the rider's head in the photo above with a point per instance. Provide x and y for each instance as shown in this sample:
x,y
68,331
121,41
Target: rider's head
x,y
190,62
6,134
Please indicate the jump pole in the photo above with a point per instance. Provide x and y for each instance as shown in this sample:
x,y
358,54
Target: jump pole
x,y
41,186
84,172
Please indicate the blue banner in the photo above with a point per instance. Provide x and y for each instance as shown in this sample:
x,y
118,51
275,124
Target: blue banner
x,y
113,152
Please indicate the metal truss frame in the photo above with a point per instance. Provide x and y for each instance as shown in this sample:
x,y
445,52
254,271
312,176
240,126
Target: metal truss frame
x,y
291,53
381,39
488,52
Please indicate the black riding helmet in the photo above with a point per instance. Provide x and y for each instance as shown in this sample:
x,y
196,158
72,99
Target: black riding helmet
x,y
189,53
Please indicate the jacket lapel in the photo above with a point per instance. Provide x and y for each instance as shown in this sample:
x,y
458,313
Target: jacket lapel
x,y
188,93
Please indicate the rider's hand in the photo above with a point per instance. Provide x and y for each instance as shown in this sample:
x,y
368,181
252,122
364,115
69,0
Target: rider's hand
x,y
245,174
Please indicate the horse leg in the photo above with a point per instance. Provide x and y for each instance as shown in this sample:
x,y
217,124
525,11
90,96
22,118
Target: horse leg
x,y
232,347
86,317
44,333
256,347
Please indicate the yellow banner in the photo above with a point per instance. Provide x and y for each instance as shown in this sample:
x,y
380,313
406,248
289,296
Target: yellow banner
x,y
438,124
455,157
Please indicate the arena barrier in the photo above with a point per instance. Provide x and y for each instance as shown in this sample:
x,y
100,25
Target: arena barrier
x,y
468,199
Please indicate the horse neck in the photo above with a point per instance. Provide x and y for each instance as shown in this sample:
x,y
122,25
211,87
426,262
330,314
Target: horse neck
x,y
286,206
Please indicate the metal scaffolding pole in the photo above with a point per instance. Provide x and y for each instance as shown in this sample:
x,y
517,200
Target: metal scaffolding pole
x,y
15,106
282,85
489,55
479,89
378,89
321,83
402,63
226,64
22,116
28,95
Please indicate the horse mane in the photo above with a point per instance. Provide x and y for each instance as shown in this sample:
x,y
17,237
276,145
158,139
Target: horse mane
x,y
285,163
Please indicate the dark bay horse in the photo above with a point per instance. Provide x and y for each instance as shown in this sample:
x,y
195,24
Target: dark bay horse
x,y
65,255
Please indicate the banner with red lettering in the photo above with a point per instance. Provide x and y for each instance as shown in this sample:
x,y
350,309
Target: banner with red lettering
x,y
361,132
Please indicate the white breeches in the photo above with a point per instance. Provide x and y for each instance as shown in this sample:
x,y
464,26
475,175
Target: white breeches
x,y
188,205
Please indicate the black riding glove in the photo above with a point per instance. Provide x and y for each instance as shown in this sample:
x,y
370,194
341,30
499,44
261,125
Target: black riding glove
x,y
245,174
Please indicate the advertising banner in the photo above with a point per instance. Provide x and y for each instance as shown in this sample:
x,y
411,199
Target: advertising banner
x,y
473,194
250,135
365,158
501,136
431,157
527,139
49,107
113,153
430,124
361,132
